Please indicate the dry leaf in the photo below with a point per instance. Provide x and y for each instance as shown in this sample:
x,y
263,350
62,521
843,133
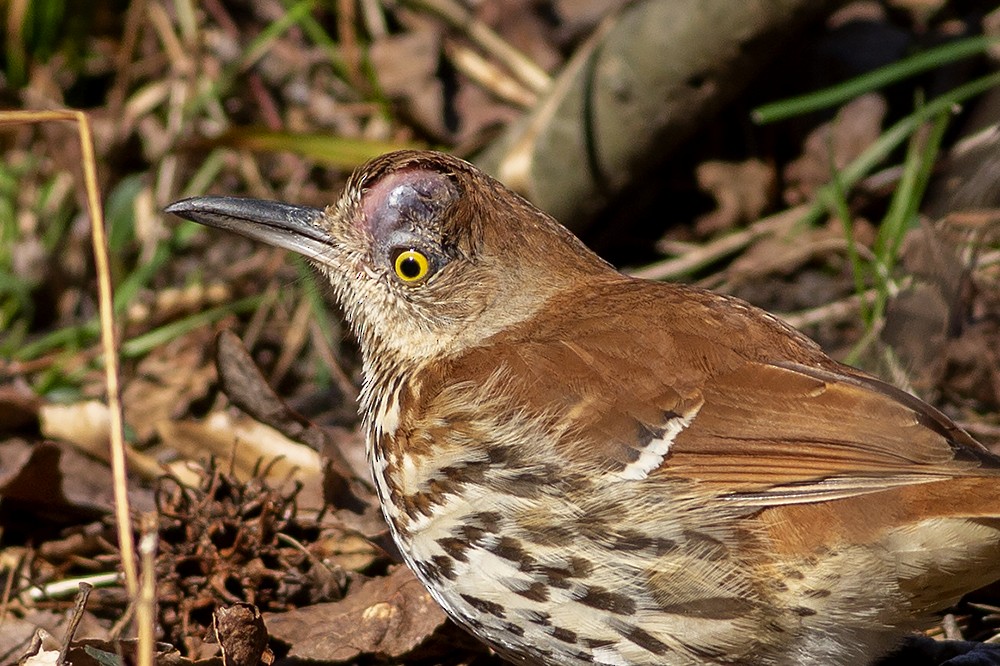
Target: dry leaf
x,y
242,635
742,191
833,145
18,405
245,386
252,445
167,381
387,617
407,66
55,481
87,426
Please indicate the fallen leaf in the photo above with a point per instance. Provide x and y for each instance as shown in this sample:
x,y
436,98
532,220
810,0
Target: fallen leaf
x,y
19,405
53,482
245,386
87,426
407,66
254,442
242,635
167,381
833,145
386,617
742,191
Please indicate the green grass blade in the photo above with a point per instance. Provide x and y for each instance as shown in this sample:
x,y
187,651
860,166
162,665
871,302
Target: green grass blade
x,y
933,58
334,150
893,137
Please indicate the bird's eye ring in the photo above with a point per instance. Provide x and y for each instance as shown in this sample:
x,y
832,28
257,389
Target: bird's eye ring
x,y
411,265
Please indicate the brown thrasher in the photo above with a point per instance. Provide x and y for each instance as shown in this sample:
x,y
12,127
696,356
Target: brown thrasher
x,y
583,467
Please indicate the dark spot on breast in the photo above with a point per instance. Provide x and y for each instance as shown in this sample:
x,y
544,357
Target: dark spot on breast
x,y
541,618
429,570
561,577
485,606
467,473
438,488
509,549
488,520
536,592
548,535
594,643
497,455
557,578
564,635
472,534
803,611
818,594
712,608
454,547
709,547
515,629
644,639
445,566
601,598
633,540
525,484
579,567
421,503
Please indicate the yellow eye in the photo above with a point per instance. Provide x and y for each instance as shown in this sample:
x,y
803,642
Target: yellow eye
x,y
411,265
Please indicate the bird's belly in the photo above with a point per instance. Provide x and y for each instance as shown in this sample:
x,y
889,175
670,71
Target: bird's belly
x,y
553,604
518,601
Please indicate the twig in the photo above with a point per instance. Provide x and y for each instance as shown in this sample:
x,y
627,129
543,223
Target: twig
x,y
123,58
66,587
12,573
490,77
126,546
74,623
146,601
459,18
703,255
349,48
844,309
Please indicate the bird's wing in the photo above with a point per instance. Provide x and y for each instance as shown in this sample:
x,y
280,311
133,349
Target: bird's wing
x,y
742,405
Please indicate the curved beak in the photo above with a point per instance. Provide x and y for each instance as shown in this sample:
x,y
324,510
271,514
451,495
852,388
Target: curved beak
x,y
296,228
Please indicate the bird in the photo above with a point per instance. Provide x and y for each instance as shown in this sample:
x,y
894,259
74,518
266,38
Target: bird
x,y
583,467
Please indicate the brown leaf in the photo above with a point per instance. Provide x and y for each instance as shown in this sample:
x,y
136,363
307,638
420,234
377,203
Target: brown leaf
x,y
242,635
407,66
742,191
167,381
56,482
18,405
90,652
834,145
387,617
245,386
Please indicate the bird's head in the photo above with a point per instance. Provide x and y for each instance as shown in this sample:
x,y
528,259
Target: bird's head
x,y
426,254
